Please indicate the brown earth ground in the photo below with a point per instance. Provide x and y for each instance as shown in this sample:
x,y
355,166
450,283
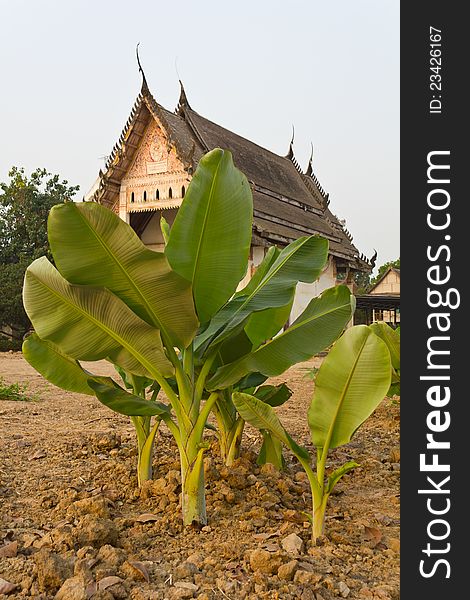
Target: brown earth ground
x,y
70,509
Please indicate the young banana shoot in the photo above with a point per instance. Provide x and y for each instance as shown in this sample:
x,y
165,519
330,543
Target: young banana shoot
x,y
351,382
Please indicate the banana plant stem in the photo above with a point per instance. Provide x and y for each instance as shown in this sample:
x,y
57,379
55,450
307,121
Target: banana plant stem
x,y
203,374
321,469
235,441
144,467
318,514
318,500
192,497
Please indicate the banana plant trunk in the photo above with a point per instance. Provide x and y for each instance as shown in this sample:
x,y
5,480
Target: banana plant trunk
x,y
235,442
191,445
193,498
318,519
144,466
145,443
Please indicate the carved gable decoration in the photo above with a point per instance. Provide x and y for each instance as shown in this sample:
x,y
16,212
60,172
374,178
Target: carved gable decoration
x,y
156,179
154,155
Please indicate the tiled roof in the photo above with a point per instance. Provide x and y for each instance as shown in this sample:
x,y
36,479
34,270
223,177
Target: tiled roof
x,y
288,202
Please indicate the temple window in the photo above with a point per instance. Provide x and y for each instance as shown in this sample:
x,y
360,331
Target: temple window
x,y
157,195
145,196
132,197
170,193
183,191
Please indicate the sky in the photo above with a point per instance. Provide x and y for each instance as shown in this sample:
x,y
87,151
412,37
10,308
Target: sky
x,y
69,79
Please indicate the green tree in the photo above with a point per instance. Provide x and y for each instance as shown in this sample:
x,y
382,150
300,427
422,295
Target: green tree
x,y
25,202
384,268
362,281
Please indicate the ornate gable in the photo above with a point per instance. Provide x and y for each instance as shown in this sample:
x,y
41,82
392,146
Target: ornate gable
x,y
156,178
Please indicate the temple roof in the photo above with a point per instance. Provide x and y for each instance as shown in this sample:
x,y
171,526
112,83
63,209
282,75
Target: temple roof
x,y
288,202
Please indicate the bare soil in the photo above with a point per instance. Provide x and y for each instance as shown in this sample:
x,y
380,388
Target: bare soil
x,y
70,509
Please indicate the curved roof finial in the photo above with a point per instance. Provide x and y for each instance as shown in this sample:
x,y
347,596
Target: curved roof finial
x,y
144,80
290,154
183,99
309,171
373,259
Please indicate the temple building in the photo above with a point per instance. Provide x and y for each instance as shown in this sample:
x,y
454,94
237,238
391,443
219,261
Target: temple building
x,y
150,168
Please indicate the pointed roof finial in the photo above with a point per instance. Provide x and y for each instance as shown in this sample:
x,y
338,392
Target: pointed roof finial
x,y
373,259
183,99
144,81
309,170
290,154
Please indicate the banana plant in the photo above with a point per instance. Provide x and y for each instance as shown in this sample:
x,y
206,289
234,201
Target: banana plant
x,y
351,382
176,318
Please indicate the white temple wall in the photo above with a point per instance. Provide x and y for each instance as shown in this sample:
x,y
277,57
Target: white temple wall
x,y
306,291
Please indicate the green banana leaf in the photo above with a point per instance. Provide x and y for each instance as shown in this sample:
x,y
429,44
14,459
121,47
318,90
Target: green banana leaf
x,y
302,260
117,399
271,451
350,384
249,382
314,330
209,241
220,319
391,338
165,229
234,348
67,373
225,412
274,395
216,325
91,323
262,416
137,383
265,324
91,245
338,474
55,366
261,270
